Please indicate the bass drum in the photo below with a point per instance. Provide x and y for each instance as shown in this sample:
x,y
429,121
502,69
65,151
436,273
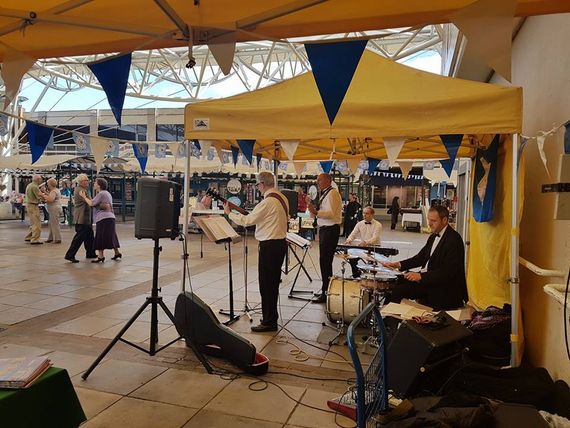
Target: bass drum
x,y
355,299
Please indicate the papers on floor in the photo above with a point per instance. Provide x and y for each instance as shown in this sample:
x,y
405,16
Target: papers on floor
x,y
18,373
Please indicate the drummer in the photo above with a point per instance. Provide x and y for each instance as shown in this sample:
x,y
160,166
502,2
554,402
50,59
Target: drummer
x,y
366,233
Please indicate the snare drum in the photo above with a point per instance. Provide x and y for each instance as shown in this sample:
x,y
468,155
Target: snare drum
x,y
377,282
355,299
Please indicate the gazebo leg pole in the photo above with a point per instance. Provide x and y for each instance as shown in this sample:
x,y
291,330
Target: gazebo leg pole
x,y
185,214
514,279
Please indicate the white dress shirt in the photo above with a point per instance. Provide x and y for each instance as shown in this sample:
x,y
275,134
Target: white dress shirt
x,y
368,234
434,246
330,210
268,216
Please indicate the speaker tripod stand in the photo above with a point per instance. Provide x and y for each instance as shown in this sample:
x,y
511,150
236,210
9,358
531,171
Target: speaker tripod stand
x,y
154,301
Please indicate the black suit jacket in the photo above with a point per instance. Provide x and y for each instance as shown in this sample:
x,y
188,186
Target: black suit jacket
x,y
444,280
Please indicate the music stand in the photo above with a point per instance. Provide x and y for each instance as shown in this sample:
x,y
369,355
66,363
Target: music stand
x,y
246,308
155,301
218,230
296,241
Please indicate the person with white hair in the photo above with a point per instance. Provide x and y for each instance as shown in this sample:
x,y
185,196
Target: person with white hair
x,y
271,217
83,224
33,199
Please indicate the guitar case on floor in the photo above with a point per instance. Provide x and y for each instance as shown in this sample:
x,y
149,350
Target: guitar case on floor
x,y
196,322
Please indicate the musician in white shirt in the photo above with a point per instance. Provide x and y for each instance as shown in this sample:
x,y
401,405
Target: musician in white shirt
x,y
366,233
329,218
271,217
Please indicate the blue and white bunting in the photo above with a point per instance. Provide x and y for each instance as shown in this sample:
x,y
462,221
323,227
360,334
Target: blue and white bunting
x,y
333,66
113,75
246,147
326,166
141,153
451,143
372,164
38,138
160,150
82,144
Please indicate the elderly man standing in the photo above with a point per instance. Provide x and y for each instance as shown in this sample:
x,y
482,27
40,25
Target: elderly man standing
x,y
328,212
82,220
33,198
270,216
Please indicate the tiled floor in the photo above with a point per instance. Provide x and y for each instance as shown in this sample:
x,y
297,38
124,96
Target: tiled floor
x,y
71,311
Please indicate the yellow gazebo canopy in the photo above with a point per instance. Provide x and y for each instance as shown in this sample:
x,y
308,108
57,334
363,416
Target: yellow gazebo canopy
x,y
385,99
50,28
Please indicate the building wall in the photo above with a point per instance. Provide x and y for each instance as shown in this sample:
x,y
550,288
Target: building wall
x,y
541,65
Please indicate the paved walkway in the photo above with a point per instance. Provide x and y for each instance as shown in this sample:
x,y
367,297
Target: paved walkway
x,y
70,312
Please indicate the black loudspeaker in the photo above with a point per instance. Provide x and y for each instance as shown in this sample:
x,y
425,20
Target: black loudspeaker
x,y
293,198
422,359
157,209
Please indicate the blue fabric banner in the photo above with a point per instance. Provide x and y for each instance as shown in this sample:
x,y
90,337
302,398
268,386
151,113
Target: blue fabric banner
x,y
567,138
160,150
141,153
114,147
113,75
326,166
235,153
38,138
333,66
372,164
451,143
485,182
246,147
82,144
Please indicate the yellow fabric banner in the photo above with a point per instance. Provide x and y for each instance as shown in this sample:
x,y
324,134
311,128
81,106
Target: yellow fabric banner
x,y
489,253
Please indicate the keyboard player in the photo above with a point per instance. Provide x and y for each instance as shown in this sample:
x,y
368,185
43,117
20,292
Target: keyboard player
x,y
366,233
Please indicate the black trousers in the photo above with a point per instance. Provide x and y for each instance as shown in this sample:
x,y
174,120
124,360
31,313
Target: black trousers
x,y
405,289
355,270
271,257
328,240
83,235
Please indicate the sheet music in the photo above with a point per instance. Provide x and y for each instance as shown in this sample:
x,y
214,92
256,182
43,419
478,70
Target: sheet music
x,y
298,240
217,228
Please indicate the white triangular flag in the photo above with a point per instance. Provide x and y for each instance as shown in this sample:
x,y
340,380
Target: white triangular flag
x,y
299,168
174,148
406,167
488,27
223,48
540,138
15,65
205,147
393,148
353,164
289,147
99,147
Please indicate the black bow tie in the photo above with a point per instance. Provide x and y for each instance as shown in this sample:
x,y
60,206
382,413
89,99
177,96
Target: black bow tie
x,y
367,222
436,234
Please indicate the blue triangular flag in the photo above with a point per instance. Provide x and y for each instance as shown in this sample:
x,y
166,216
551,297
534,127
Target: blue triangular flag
x,y
113,75
485,182
235,153
326,166
372,164
333,66
197,144
38,138
567,138
246,147
141,153
451,143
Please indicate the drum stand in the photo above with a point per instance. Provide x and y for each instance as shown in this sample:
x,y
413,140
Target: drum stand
x,y
340,325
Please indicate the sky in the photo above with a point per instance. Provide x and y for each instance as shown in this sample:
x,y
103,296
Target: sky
x,y
87,98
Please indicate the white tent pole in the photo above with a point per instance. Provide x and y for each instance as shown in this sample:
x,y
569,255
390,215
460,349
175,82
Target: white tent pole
x,y
185,215
514,280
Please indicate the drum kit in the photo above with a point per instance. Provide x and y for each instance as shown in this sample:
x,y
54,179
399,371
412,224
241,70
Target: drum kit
x,y
347,297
